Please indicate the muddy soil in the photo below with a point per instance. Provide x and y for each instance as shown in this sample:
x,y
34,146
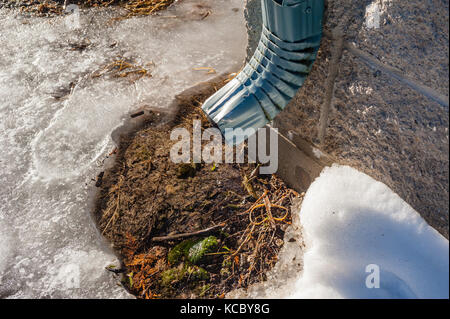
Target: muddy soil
x,y
148,207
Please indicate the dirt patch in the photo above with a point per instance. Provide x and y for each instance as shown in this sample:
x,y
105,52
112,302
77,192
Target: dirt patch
x,y
189,230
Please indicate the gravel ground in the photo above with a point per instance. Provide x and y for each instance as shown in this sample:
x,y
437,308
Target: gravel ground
x,y
377,124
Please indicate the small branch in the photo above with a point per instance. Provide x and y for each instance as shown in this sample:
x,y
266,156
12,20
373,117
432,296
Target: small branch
x,y
187,235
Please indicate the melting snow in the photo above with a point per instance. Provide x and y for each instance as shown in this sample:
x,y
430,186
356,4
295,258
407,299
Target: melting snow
x,y
51,148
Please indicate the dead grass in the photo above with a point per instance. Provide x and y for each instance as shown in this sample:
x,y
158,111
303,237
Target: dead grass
x,y
133,7
143,197
145,7
125,68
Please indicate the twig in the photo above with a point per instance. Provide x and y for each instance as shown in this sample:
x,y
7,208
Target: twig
x,y
186,235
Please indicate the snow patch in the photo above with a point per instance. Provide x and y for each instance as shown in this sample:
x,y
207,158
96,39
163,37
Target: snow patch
x,y
350,222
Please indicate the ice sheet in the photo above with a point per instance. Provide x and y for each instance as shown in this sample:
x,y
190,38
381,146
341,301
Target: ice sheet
x,y
53,138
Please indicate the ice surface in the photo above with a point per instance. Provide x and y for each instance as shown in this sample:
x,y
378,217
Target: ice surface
x,y
53,139
351,221
5,247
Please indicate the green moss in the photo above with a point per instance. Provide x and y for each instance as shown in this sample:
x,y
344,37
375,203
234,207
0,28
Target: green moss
x,y
177,253
227,263
225,271
203,289
183,272
194,250
197,273
199,249
173,275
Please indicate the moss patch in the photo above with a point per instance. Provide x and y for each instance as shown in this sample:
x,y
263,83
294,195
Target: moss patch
x,y
181,250
184,272
201,248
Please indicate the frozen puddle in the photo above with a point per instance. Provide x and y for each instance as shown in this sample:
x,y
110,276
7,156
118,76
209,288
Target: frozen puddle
x,y
361,241
53,138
